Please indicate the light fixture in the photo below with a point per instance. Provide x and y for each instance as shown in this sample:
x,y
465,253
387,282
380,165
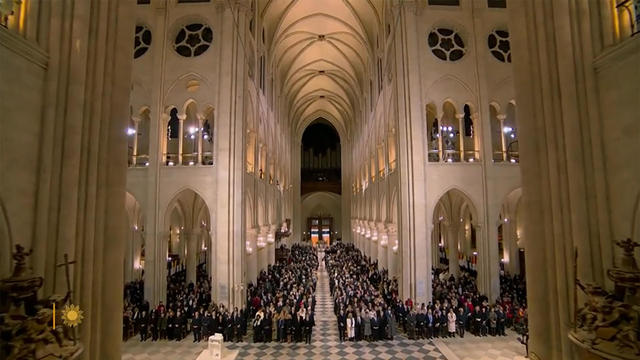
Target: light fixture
x,y
507,129
135,227
206,136
170,163
450,134
146,164
449,128
191,163
193,130
513,160
475,253
131,131
449,160
472,160
506,220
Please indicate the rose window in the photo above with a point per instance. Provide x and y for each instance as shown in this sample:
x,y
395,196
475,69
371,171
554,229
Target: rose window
x,y
446,44
499,45
142,41
193,40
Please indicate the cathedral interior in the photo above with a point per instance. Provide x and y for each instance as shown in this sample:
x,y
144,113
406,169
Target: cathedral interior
x,y
249,158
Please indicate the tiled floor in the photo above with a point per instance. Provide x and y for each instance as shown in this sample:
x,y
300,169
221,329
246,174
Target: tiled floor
x,y
325,344
482,348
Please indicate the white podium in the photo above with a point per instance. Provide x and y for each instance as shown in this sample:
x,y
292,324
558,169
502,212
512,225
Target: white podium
x,y
216,350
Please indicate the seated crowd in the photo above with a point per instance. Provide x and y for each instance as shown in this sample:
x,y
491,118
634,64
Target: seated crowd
x,y
189,309
282,302
363,295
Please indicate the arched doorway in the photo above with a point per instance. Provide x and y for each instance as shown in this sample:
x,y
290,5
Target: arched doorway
x,y
454,245
188,229
321,183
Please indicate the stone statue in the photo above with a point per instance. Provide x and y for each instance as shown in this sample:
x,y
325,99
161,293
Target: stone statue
x,y
609,323
26,321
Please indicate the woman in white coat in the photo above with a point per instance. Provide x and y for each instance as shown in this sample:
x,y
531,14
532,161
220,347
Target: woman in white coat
x,y
451,323
351,327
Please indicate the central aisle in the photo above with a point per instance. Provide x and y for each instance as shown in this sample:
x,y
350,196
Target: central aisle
x,y
326,329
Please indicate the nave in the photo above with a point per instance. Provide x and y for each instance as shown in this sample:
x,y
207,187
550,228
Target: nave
x,y
325,342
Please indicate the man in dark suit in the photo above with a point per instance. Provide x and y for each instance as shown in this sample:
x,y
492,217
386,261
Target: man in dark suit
x,y
196,323
342,325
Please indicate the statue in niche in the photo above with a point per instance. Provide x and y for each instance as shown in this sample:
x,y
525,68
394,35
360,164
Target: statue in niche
x,y
609,323
26,322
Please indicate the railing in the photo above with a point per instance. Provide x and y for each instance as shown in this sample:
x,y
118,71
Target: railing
x,y
207,158
171,159
190,159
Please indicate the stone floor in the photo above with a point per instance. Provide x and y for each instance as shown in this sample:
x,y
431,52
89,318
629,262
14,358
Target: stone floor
x,y
482,348
325,343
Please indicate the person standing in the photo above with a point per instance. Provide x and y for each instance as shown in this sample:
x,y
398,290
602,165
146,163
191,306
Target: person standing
x,y
351,324
143,325
162,325
196,323
366,320
461,321
308,327
451,317
342,325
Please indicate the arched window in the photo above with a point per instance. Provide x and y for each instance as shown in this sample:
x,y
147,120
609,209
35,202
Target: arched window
x,y
469,137
433,133
392,150
207,137
496,119
251,151
191,131
511,134
626,18
173,138
144,129
450,134
131,141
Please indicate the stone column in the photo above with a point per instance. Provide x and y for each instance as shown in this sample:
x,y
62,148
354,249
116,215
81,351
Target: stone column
x,y
460,117
367,240
181,117
201,119
452,245
261,244
271,246
251,255
192,243
392,251
374,243
229,253
383,243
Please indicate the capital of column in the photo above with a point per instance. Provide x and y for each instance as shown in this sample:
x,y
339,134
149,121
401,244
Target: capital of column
x,y
501,117
392,229
182,117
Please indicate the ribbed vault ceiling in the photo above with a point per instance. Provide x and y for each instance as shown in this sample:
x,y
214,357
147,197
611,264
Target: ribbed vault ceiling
x,y
320,51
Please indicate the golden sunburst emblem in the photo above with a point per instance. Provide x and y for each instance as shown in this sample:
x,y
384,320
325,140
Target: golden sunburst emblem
x,y
72,315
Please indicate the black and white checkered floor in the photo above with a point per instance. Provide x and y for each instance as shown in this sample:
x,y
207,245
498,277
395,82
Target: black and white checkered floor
x,y
324,345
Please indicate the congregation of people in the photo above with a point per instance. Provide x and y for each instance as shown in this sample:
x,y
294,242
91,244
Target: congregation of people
x,y
189,310
458,307
363,295
367,306
282,302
